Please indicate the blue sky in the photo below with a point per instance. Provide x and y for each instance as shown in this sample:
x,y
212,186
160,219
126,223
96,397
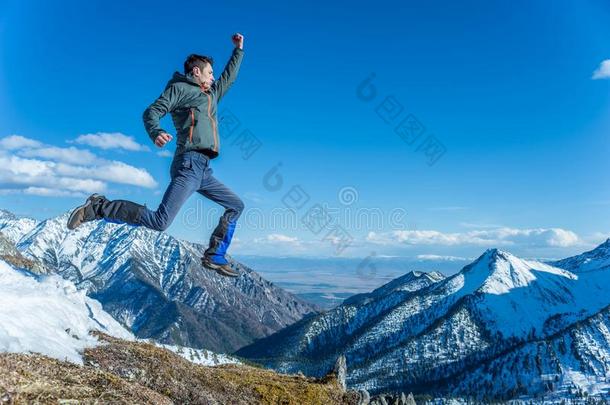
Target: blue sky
x,y
505,89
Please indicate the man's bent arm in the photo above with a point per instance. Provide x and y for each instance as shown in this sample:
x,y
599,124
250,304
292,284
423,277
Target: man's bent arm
x,y
229,74
166,102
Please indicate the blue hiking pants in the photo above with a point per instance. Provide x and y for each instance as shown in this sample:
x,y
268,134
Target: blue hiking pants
x,y
190,172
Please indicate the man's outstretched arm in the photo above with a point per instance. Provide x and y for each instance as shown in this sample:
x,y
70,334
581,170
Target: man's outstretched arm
x,y
229,74
166,102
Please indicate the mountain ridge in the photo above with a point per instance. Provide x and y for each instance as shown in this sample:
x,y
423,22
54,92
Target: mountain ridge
x,y
155,285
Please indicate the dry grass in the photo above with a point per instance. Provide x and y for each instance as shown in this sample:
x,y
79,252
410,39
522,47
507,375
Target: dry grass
x,y
128,372
20,262
27,379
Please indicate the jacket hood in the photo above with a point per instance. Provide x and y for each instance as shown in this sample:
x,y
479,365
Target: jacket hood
x,y
179,77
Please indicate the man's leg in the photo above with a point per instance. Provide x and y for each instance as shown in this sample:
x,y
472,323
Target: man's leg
x,y
99,207
179,190
185,181
234,206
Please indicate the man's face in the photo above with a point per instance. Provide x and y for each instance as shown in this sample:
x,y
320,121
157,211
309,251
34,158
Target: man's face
x,y
205,76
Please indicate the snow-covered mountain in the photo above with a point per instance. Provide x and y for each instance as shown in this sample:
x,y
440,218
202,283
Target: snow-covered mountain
x,y
501,327
155,285
14,227
593,260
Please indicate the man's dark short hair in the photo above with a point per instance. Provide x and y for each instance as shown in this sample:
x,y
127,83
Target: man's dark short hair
x,y
196,60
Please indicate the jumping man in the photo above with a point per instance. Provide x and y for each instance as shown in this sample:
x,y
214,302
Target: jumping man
x,y
191,99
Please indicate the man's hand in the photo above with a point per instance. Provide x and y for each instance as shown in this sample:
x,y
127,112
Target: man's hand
x,y
238,40
162,139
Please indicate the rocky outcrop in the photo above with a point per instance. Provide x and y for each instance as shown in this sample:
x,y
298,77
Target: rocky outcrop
x,y
10,254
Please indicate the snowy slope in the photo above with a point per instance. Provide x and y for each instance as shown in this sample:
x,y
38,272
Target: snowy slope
x,y
566,365
49,315
199,356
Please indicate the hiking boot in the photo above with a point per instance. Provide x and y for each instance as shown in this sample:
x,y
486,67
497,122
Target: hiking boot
x,y
86,212
222,269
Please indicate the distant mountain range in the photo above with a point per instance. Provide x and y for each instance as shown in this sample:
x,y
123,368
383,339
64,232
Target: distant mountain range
x,y
502,327
154,284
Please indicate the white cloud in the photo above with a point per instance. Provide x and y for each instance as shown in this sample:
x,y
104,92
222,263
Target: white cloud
x,y
68,155
413,238
277,244
31,167
558,237
49,192
112,171
165,153
443,258
17,142
33,174
273,244
25,167
603,71
277,237
110,140
120,172
552,237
